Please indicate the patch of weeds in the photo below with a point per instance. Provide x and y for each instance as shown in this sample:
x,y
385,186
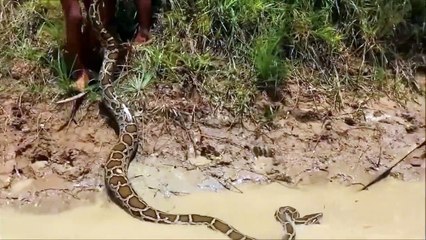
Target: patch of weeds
x,y
36,89
271,69
231,50
20,28
269,114
62,73
137,83
29,30
93,94
52,32
227,87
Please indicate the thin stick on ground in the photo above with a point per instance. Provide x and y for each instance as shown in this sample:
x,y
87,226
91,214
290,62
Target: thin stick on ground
x,y
80,95
386,173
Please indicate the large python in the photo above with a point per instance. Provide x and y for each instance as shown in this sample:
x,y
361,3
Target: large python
x,y
116,166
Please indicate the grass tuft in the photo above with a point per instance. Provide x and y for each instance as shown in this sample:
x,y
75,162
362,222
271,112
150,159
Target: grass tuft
x,y
230,51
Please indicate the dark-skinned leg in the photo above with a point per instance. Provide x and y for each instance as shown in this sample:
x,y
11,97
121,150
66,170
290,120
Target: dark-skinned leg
x,y
144,9
74,40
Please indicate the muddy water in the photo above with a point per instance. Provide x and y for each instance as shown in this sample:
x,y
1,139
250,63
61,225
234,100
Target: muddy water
x,y
391,209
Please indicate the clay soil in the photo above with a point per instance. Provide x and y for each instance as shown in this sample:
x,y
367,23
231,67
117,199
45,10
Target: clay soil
x,y
308,142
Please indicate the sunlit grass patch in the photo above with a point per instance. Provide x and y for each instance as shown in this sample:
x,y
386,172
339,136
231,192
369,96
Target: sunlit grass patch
x,y
231,51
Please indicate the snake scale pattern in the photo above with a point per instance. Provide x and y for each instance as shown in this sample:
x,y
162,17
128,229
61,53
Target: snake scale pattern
x,y
116,166
289,216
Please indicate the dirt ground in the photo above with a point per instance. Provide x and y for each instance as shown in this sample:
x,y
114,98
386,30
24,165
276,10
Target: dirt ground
x,y
309,142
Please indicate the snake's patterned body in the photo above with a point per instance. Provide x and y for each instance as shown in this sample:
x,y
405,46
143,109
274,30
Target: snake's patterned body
x,y
116,180
289,216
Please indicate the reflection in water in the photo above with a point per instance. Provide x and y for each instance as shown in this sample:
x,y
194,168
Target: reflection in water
x,y
390,209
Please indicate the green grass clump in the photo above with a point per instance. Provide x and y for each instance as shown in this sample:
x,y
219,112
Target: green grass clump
x,y
345,44
268,62
231,50
30,31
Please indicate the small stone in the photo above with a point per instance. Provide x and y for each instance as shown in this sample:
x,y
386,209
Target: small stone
x,y
410,128
5,180
350,121
21,185
328,125
25,129
199,161
36,166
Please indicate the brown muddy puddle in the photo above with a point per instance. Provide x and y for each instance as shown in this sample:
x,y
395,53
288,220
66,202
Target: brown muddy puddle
x,y
391,209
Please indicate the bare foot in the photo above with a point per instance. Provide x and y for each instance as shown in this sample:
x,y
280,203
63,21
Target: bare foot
x,y
142,38
82,81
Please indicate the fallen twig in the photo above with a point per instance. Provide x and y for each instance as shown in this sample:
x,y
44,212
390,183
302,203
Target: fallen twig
x,y
386,173
80,95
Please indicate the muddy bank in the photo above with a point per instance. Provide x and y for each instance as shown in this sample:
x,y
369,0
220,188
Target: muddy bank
x,y
47,170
